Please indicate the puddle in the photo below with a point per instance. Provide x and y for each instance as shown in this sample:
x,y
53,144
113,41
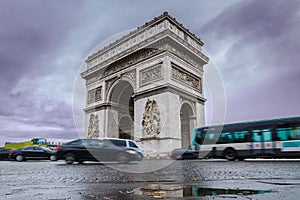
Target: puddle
x,y
160,190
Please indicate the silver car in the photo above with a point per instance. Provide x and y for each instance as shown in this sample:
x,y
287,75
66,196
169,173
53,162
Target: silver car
x,y
129,144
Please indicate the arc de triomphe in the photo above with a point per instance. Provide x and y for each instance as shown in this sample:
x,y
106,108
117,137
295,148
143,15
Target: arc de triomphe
x,y
147,86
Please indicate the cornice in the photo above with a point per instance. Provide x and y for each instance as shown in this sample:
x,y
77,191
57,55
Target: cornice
x,y
141,35
155,42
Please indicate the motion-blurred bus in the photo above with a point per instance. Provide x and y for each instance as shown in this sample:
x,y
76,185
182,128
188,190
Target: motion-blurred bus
x,y
32,142
276,138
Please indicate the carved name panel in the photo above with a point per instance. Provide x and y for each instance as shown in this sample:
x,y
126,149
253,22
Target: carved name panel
x,y
186,78
151,74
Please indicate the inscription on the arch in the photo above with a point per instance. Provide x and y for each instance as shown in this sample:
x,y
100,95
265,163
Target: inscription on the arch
x,y
151,74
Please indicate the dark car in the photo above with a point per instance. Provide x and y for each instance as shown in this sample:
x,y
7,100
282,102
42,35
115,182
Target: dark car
x,y
32,153
184,153
4,154
94,150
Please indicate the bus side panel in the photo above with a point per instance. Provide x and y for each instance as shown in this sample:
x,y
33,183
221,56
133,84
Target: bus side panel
x,y
243,150
285,149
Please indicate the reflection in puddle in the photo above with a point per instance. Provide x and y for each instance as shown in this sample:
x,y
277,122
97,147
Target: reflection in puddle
x,y
160,190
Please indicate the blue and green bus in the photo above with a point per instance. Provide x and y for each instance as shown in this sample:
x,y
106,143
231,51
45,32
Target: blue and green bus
x,y
275,138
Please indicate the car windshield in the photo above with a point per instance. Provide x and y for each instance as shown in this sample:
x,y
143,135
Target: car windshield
x,y
121,143
94,143
132,144
42,148
76,142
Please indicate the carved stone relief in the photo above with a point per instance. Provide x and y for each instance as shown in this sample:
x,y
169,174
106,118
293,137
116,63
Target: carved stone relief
x,y
95,95
151,119
150,75
186,78
109,83
132,75
93,129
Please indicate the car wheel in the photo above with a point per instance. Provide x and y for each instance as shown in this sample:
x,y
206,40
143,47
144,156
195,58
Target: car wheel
x,y
230,154
70,158
140,157
19,158
122,158
53,158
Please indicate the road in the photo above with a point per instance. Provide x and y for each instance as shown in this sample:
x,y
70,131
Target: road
x,y
151,179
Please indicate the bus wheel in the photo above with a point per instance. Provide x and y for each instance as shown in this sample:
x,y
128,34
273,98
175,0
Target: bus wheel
x,y
230,154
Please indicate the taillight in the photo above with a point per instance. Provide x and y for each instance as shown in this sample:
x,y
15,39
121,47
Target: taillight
x,y
58,148
11,152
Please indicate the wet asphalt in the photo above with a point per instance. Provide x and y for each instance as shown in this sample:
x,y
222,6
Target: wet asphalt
x,y
151,179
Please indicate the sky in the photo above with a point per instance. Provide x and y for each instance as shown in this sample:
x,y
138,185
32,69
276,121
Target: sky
x,y
254,44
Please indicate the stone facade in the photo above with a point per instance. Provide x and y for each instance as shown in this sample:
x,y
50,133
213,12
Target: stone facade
x,y
147,86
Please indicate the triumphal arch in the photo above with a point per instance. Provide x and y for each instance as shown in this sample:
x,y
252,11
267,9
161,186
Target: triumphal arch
x,y
147,86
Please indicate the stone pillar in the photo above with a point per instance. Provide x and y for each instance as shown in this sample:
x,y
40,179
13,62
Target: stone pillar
x,y
158,137
112,127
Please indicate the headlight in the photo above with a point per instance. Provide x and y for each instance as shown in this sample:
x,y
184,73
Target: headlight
x,y
131,151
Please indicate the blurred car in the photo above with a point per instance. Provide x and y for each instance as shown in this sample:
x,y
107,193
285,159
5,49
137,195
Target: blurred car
x,y
94,150
32,153
127,144
184,153
4,154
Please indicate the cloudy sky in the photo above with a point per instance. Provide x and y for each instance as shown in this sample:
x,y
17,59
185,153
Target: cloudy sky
x,y
255,46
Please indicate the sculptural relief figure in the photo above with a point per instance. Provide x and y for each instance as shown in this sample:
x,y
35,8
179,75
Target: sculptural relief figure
x,y
151,119
93,130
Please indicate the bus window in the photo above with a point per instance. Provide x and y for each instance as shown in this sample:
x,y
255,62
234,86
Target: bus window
x,y
199,137
256,136
297,133
225,138
267,135
39,141
283,133
242,136
212,138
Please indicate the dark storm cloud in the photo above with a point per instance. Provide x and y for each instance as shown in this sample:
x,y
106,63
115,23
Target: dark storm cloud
x,y
258,41
42,44
29,31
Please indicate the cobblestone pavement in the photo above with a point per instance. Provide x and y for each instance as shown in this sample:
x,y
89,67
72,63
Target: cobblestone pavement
x,y
150,179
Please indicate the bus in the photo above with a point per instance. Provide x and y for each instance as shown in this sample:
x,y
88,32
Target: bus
x,y
32,142
274,138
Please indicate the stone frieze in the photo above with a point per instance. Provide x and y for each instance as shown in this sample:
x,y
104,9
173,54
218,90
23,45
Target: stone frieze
x,y
151,74
95,95
186,78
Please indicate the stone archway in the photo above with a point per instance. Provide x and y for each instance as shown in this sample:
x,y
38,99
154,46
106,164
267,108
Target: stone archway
x,y
121,115
186,115
126,127
150,79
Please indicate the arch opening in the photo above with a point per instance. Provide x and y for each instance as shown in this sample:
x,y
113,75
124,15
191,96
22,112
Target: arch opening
x,y
121,116
186,119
